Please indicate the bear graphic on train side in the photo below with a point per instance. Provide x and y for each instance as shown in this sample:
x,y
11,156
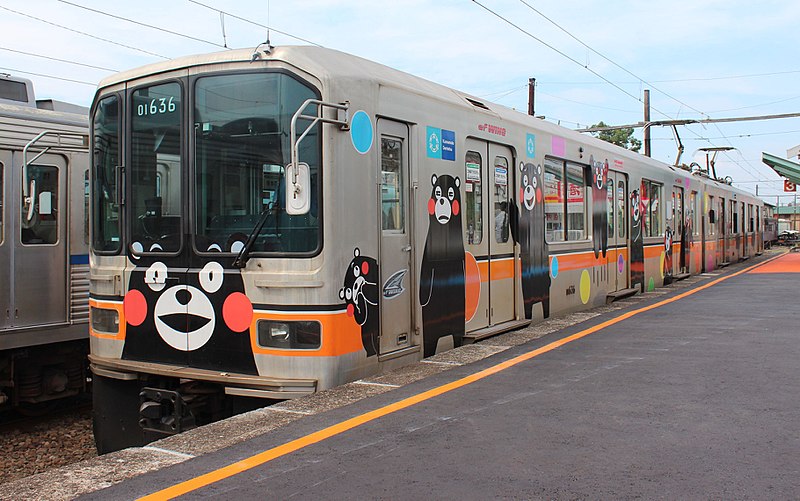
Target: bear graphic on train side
x,y
530,226
360,293
442,277
637,241
599,207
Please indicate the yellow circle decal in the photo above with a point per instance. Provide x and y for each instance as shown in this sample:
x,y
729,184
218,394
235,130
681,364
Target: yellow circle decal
x,y
586,286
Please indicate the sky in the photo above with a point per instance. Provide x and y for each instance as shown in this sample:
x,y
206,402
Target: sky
x,y
592,60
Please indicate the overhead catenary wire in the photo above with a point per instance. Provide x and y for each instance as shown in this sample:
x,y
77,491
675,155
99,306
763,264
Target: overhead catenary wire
x,y
13,70
83,33
250,21
50,58
139,23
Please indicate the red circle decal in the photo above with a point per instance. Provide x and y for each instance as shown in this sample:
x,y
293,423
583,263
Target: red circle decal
x,y
365,267
455,207
237,312
135,307
431,206
350,310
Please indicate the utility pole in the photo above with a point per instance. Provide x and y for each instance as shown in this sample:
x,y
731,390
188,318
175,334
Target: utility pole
x,y
531,86
646,122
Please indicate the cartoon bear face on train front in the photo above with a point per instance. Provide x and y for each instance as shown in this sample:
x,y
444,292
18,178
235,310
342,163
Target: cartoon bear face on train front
x,y
201,318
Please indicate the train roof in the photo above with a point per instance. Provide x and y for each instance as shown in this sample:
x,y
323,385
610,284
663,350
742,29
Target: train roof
x,y
330,65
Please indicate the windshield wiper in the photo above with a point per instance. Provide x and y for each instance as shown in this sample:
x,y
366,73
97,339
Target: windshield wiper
x,y
244,254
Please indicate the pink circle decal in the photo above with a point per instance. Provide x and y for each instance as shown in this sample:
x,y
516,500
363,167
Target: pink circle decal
x,y
135,307
620,263
237,312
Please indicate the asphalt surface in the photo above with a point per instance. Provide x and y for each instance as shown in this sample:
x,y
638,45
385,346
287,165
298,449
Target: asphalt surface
x,y
697,398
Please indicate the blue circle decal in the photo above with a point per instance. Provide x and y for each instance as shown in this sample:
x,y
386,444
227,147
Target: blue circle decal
x,y
554,267
361,132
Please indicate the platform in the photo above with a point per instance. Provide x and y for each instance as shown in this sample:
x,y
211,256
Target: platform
x,y
686,392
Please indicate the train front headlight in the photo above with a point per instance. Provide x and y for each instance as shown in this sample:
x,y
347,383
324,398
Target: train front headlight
x,y
104,320
300,335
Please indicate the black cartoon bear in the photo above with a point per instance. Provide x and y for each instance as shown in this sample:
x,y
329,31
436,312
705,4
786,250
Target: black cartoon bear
x,y
201,318
668,256
599,207
637,241
442,282
529,229
360,292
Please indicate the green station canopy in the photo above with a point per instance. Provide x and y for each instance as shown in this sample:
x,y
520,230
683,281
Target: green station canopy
x,y
786,168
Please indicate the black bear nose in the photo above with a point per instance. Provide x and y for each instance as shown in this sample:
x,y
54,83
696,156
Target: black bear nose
x,y
183,296
441,201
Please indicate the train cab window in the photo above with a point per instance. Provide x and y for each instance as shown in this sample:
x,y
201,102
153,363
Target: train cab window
x,y
241,147
105,159
651,215
501,200
39,223
474,197
156,169
392,185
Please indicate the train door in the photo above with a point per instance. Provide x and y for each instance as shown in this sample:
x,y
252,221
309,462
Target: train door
x,y
39,242
722,240
395,243
619,248
678,236
488,177
5,246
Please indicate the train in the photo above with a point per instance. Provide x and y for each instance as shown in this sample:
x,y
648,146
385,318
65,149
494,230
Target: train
x,y
268,224
44,248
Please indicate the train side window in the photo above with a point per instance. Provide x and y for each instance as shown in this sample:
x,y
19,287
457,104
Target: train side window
x,y
712,227
392,185
40,225
576,202
555,226
651,201
621,210
474,197
692,216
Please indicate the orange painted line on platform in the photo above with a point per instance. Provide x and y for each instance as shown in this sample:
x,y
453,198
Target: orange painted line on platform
x,y
354,422
788,263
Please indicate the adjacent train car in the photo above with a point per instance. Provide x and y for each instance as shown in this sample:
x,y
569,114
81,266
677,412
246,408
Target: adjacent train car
x,y
44,248
267,225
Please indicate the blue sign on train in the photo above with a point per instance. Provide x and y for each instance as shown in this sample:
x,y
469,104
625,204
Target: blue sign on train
x,y
441,143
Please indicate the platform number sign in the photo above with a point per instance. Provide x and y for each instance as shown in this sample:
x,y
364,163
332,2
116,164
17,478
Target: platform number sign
x,y
789,186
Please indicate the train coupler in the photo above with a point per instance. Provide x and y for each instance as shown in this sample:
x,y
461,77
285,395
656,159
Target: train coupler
x,y
164,412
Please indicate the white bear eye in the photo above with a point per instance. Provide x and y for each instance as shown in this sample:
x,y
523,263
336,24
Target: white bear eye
x,y
356,271
156,247
214,248
525,180
451,194
137,248
438,192
348,294
211,277
535,181
156,276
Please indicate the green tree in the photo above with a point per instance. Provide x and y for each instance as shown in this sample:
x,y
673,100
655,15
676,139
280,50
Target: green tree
x,y
620,137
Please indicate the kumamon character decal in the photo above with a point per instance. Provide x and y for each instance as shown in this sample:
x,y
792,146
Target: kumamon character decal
x,y
530,226
442,282
668,256
360,292
599,206
637,241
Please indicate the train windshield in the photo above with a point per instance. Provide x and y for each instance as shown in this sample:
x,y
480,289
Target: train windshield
x,y
241,127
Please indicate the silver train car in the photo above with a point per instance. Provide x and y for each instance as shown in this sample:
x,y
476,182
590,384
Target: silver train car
x,y
44,248
270,225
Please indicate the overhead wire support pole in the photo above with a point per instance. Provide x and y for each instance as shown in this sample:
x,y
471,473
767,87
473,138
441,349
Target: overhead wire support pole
x,y
531,91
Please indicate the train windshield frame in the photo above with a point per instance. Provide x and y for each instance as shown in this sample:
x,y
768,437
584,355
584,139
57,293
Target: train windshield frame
x,y
213,148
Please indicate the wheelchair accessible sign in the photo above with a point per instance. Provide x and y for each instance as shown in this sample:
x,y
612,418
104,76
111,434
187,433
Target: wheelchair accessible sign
x,y
441,143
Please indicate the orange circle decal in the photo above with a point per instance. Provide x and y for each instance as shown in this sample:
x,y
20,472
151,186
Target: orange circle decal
x,y
472,286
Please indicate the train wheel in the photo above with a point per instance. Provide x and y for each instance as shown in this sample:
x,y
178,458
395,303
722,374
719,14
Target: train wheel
x,y
116,414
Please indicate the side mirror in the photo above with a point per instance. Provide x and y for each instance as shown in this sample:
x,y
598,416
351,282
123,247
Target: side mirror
x,y
298,189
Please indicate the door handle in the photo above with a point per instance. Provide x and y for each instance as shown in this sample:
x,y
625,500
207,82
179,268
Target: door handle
x,y
407,248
